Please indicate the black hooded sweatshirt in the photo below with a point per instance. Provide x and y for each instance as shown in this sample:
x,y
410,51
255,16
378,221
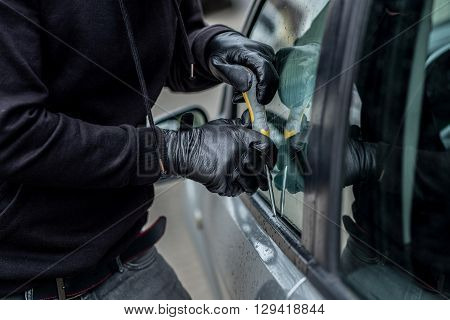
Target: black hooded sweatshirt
x,y
76,161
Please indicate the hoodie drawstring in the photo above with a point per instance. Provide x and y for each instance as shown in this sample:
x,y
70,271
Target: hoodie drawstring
x,y
137,60
185,39
137,64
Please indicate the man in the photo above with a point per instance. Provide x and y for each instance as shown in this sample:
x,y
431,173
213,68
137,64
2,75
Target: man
x,y
78,79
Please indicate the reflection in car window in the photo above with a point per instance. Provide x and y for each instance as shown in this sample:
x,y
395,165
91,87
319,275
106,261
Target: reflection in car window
x,y
397,219
294,28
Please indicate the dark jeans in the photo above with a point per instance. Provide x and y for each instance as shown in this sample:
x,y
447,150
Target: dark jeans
x,y
148,277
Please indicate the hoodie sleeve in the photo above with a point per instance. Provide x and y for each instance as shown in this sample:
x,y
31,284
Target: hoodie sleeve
x,y
198,34
51,149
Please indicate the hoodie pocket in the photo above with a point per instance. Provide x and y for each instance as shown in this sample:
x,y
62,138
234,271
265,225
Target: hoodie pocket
x,y
8,196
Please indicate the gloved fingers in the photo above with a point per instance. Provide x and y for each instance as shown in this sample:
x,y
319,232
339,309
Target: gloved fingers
x,y
233,187
256,172
222,122
253,171
245,120
226,187
233,190
359,162
262,150
266,74
233,74
267,50
248,183
238,97
262,181
255,166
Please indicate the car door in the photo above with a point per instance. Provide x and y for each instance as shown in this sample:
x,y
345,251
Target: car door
x,y
382,79
333,69
251,251
393,238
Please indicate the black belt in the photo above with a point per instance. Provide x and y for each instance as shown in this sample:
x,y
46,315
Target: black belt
x,y
74,287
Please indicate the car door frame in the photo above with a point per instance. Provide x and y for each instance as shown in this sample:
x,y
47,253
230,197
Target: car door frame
x,y
317,253
336,75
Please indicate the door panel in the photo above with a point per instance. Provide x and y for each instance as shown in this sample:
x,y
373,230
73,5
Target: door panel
x,y
247,262
243,259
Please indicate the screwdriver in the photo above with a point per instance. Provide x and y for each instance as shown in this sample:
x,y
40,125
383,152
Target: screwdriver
x,y
297,68
258,120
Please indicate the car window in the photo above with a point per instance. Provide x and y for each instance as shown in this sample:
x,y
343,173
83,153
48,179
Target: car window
x,y
396,208
294,28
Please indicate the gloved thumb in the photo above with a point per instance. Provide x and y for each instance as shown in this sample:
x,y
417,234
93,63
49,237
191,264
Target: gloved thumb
x,y
264,152
245,120
235,75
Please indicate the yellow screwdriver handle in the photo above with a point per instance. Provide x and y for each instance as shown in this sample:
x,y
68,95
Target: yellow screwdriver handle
x,y
257,111
258,119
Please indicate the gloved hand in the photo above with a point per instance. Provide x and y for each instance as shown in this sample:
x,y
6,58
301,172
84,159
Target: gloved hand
x,y
223,155
232,59
359,162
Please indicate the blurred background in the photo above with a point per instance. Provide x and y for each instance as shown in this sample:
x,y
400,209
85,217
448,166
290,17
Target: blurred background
x,y
177,246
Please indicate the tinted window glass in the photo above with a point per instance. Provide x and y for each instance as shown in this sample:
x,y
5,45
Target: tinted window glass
x,y
294,29
396,210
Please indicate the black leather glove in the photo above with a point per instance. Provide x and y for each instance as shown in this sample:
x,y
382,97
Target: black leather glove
x,y
223,155
232,58
360,161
